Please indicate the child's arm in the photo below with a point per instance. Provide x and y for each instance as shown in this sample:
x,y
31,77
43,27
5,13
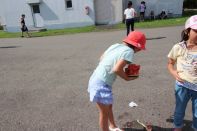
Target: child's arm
x,y
119,70
135,14
173,71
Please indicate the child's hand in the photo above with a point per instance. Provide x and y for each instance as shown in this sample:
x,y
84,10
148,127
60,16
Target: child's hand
x,y
175,73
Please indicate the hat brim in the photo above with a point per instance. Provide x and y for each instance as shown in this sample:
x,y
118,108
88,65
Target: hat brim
x,y
133,43
194,27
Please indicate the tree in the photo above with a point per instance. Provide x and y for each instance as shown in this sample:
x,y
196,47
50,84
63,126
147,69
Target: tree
x,y
190,4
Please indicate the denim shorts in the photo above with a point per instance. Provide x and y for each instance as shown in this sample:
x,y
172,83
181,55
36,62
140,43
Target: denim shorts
x,y
99,91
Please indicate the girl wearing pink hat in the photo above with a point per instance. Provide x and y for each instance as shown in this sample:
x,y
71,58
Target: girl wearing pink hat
x,y
184,56
111,65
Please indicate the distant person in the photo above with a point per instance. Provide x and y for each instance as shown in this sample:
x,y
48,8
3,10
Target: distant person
x,y
152,15
182,65
112,64
163,15
23,26
142,10
129,15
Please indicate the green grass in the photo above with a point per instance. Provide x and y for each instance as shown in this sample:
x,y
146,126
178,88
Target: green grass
x,y
189,12
8,35
50,32
65,31
157,23
145,24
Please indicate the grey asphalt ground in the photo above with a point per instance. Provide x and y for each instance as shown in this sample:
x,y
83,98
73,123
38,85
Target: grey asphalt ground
x,y
43,82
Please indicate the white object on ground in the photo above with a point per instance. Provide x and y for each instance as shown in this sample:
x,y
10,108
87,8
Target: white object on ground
x,y
132,104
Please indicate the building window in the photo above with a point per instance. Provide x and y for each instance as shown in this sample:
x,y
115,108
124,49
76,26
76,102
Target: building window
x,y
68,4
36,8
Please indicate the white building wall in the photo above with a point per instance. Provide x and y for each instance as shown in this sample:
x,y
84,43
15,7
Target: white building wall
x,y
11,14
170,6
2,18
116,11
53,14
108,11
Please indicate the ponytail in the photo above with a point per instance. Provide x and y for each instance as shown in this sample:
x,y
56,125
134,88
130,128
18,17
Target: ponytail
x,y
185,34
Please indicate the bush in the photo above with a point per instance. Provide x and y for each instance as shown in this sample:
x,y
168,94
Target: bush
x,y
188,12
1,27
192,4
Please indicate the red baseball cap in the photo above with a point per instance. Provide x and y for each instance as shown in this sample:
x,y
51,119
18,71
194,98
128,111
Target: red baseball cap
x,y
137,39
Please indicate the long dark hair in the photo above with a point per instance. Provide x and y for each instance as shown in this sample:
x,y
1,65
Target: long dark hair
x,y
185,34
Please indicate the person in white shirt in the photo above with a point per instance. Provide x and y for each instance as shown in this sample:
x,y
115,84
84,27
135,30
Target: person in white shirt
x,y
129,15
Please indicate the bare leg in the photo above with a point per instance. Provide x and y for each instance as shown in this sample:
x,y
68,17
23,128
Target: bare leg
x,y
103,116
140,17
22,34
111,118
28,34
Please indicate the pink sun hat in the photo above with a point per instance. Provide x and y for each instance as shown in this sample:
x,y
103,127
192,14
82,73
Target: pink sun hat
x,y
191,22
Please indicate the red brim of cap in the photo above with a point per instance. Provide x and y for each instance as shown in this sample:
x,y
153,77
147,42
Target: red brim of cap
x,y
133,43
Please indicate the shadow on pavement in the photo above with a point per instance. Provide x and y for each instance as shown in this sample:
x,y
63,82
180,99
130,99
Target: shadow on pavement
x,y
34,36
155,128
187,124
5,47
155,38
134,126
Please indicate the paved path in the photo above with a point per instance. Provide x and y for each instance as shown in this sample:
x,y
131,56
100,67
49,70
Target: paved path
x,y
43,82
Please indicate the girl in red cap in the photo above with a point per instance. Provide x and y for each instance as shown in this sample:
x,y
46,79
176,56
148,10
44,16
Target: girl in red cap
x,y
111,64
184,56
